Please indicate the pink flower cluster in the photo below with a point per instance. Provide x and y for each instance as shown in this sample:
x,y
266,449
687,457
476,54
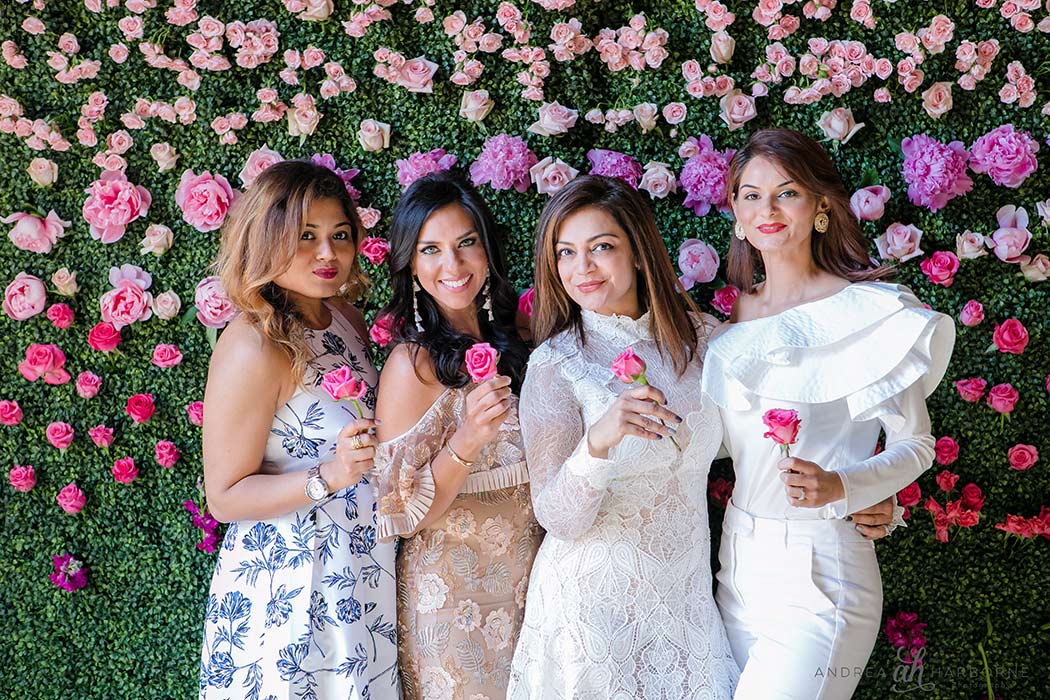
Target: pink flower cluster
x,y
204,199
419,164
769,13
38,134
512,22
327,160
935,172
271,108
306,10
1019,13
779,64
974,61
256,41
569,40
1006,155
226,127
68,46
504,162
615,164
904,631
183,12
203,521
1019,87
70,573
538,68
415,75
183,110
632,46
861,12
12,55
155,58
359,22
1027,528
716,15
835,68
469,39
206,43
964,511
704,174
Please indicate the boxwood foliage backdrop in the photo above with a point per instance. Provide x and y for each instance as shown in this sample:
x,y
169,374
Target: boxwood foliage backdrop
x,y
134,630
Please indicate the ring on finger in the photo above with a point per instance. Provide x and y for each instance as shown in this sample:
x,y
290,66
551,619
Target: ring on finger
x,y
355,442
802,493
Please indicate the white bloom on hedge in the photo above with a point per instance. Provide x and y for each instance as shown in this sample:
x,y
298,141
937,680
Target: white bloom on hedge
x,y
722,47
373,135
165,156
42,172
969,245
554,120
658,180
65,282
839,124
157,241
550,175
475,105
166,305
645,114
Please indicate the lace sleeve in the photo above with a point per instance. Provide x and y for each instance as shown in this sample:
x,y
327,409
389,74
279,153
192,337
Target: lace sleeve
x,y
568,484
405,482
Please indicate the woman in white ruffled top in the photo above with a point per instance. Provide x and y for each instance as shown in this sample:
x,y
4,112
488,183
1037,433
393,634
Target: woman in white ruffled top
x,y
620,601
799,586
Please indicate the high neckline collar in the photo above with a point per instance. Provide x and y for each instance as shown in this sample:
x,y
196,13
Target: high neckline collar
x,y
623,328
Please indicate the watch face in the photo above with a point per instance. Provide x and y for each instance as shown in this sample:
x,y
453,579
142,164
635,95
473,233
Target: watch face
x,y
316,489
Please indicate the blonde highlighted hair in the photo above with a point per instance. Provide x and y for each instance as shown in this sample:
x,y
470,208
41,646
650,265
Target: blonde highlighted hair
x,y
259,240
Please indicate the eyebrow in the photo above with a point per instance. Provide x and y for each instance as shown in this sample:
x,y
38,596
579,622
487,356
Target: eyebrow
x,y
471,232
592,238
341,223
785,182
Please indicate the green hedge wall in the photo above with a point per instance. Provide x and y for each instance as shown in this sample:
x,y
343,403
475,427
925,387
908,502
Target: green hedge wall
x,y
134,630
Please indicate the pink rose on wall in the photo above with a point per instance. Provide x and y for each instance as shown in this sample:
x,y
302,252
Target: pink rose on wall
x,y
738,109
44,361
375,249
838,125
71,499
1010,337
59,435
1011,239
258,160
214,308
1005,155
551,174
698,262
475,105
869,203
946,450
25,297
166,453
35,234
373,135
526,302
10,413
972,498
972,314
910,495
42,172
382,330
104,337
140,407
940,268
124,470
658,180
554,120
112,204
1022,457
128,301
946,480
900,242
195,413
101,436
1036,269
971,390
166,355
417,75
724,299
615,164
22,478
482,360
1002,398
65,282
204,199
937,99
88,385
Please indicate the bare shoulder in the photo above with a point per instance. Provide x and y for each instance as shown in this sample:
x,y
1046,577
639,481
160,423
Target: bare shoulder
x,y
244,360
408,387
352,314
744,309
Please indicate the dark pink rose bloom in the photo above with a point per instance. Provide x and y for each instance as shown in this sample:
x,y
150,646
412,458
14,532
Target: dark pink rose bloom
x,y
140,407
628,367
482,360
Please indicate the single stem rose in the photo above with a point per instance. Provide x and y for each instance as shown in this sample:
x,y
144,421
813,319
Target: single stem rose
x,y
341,384
482,362
629,368
783,427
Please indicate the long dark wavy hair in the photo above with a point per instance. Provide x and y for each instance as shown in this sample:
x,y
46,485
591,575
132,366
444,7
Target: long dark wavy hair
x,y
842,250
445,345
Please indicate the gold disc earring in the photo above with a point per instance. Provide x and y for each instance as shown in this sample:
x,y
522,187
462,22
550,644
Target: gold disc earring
x,y
738,231
820,223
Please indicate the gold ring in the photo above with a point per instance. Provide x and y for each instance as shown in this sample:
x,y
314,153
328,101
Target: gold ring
x,y
355,442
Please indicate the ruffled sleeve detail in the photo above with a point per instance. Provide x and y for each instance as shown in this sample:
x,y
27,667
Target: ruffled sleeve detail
x,y
865,344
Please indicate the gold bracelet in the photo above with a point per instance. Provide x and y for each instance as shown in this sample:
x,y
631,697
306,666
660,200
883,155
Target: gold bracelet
x,y
459,460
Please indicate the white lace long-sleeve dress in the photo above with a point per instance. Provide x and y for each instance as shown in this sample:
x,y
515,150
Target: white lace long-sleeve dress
x,y
620,603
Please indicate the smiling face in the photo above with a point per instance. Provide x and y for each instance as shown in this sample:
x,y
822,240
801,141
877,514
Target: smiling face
x,y
595,263
324,255
775,211
450,260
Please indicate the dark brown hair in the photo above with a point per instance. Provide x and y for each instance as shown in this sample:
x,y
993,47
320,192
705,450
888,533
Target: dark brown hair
x,y
842,250
659,290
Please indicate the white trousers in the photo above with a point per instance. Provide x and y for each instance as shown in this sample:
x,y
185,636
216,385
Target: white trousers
x,y
802,604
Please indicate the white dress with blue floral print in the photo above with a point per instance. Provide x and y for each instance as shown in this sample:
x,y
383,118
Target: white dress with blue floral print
x,y
302,607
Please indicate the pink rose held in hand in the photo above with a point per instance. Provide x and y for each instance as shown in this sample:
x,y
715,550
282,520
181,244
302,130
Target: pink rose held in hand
x,y
482,362
342,384
629,368
783,426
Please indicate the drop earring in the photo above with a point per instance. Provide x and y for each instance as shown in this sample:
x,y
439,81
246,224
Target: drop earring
x,y
738,231
820,223
415,304
487,305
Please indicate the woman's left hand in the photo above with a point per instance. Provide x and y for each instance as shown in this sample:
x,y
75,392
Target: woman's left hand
x,y
807,485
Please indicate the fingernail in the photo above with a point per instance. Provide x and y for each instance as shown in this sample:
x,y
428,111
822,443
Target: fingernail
x,y
849,518
659,436
678,418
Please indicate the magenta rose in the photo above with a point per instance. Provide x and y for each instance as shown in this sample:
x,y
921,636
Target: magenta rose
x,y
166,356
104,337
60,315
698,262
1003,398
44,361
22,478
195,412
869,203
783,425
482,360
101,436
88,384
1010,336
70,573
526,302
112,204
342,384
971,390
910,495
33,233
946,450
628,367
204,199
1022,457
25,297
124,470
972,498
382,330
946,480
71,499
972,313
166,453
60,435
214,308
10,413
375,249
140,407
724,299
940,268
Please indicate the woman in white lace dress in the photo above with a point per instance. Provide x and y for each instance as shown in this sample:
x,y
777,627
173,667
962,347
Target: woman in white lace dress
x,y
799,585
620,600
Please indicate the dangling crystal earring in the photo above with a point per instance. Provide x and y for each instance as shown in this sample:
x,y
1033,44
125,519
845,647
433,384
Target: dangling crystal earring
x,y
487,305
820,223
738,231
415,304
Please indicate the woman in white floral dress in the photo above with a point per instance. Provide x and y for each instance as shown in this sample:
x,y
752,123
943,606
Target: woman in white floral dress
x,y
452,475
302,602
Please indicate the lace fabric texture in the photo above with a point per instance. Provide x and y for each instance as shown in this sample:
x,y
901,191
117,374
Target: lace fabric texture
x,y
620,600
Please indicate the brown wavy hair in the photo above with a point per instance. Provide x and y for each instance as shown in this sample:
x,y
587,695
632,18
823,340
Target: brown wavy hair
x,y
659,290
259,240
842,250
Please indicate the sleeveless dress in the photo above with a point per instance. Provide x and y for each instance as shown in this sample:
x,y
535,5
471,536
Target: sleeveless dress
x,y
462,579
620,604
799,588
303,606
